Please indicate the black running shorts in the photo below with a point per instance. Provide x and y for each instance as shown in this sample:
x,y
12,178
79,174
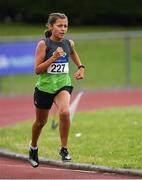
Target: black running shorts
x,y
44,100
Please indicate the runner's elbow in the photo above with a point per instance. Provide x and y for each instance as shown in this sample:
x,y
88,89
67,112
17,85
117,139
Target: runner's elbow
x,y
37,70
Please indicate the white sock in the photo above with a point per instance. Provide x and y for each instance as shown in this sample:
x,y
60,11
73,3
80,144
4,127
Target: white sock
x,y
33,148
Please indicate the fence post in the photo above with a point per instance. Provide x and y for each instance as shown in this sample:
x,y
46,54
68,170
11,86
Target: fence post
x,y
128,59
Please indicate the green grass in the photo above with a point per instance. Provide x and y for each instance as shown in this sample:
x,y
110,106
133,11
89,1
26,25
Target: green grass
x,y
14,29
106,64
20,29
21,84
110,137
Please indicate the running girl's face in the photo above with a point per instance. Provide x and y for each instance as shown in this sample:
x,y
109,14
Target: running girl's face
x,y
59,29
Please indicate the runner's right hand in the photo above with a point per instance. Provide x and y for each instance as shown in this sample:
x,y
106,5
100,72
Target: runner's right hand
x,y
58,53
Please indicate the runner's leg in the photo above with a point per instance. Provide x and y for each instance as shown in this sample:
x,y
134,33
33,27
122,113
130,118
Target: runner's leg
x,y
41,120
62,101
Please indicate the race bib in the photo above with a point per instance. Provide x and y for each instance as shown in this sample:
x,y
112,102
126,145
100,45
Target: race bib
x,y
58,68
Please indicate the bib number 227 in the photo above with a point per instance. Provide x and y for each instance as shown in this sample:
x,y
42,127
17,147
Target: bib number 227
x,y
58,68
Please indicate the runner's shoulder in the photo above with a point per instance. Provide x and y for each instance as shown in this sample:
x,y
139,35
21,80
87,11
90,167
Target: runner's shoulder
x,y
41,44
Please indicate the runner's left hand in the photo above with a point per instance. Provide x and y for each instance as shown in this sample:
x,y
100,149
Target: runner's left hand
x,y
79,74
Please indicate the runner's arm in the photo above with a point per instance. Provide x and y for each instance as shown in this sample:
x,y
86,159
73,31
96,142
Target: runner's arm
x,y
76,59
41,65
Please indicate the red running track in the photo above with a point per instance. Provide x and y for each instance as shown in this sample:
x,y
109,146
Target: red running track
x,y
16,169
15,109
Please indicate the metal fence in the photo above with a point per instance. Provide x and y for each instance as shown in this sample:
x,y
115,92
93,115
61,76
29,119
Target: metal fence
x,y
125,36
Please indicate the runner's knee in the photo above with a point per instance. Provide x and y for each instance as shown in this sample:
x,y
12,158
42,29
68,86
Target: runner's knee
x,y
40,124
64,114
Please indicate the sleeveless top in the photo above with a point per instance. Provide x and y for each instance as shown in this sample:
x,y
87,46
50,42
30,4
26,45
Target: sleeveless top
x,y
57,74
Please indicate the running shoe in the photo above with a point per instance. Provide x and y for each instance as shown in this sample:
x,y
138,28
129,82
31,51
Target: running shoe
x,y
64,154
33,157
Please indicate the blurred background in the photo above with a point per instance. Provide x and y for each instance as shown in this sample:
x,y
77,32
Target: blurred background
x,y
107,35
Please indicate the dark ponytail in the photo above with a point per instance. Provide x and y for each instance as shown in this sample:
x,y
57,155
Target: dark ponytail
x,y
47,33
